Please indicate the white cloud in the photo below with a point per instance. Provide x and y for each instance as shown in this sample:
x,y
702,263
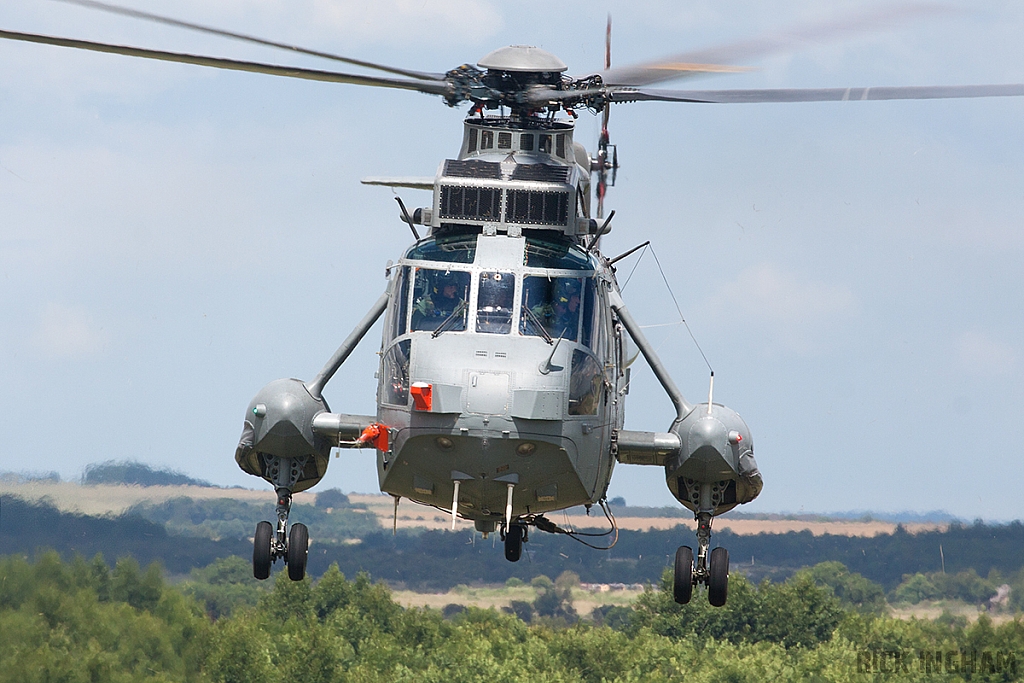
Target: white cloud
x,y
983,354
793,310
68,332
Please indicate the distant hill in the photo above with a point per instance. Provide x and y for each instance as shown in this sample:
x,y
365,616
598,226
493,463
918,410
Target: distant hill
x,y
223,518
136,474
28,527
439,560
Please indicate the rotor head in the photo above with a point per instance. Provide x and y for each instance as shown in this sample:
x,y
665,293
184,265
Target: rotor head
x,y
522,58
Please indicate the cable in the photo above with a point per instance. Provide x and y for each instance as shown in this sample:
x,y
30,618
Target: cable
x,y
542,523
680,311
635,265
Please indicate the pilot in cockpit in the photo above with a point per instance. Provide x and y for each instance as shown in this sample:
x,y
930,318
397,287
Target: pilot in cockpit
x,y
440,301
566,308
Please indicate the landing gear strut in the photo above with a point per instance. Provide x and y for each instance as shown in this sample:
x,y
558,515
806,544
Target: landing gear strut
x,y
270,545
713,574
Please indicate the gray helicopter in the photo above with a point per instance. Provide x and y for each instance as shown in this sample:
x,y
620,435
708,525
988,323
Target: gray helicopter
x,y
505,361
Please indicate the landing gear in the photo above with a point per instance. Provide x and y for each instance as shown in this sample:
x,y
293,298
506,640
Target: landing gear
x,y
713,574
270,545
682,586
514,536
262,555
298,551
718,577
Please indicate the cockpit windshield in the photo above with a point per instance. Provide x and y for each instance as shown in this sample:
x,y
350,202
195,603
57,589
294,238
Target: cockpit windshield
x,y
440,297
495,296
563,255
460,248
551,307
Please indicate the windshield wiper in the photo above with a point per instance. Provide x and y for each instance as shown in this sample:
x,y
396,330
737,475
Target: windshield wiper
x,y
537,323
443,327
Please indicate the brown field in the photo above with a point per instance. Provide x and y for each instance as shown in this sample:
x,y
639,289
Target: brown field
x,y
113,500
584,601
107,500
411,515
930,610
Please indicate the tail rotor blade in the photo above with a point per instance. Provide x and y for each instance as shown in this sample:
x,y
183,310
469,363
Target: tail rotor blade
x,y
608,44
602,144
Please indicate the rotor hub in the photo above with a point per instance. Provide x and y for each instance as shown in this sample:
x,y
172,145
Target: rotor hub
x,y
522,58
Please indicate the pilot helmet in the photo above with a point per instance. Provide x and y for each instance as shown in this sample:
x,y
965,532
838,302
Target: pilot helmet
x,y
567,288
444,279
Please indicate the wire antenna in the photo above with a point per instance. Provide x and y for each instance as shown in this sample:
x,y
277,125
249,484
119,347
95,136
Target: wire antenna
x,y
680,312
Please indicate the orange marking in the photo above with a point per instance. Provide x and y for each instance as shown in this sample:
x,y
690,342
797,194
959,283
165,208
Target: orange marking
x,y
421,395
377,434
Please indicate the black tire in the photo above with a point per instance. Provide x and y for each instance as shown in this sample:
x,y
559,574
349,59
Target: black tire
x,y
682,586
514,543
261,556
718,577
298,551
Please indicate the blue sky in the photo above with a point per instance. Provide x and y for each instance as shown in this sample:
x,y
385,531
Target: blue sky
x,y
172,238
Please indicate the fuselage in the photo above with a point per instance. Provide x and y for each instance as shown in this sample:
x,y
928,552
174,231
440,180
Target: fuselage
x,y
501,361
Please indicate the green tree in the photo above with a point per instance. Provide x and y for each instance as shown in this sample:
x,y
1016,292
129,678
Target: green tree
x,y
331,498
554,600
795,613
852,589
141,590
914,589
224,586
240,653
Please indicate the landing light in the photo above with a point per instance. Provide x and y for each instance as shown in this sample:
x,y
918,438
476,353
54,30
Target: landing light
x,y
443,442
526,448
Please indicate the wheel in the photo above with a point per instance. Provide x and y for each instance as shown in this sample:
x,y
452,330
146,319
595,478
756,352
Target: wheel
x,y
298,551
682,586
718,577
514,542
261,550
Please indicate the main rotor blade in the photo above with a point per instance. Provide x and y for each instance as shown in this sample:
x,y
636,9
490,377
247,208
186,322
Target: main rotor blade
x,y
429,87
718,59
920,92
138,14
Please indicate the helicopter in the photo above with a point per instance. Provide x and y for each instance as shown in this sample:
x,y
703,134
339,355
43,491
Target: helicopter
x,y
498,406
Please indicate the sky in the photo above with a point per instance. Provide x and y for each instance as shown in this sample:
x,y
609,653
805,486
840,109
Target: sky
x,y
172,237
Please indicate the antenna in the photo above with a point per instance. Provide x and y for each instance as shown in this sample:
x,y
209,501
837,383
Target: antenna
x,y
407,218
601,231
546,366
711,392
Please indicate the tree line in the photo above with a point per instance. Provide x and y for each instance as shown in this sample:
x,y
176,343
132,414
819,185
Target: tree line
x,y
80,620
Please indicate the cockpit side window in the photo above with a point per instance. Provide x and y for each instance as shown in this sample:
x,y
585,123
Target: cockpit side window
x,y
440,297
495,296
588,334
551,304
395,374
400,306
585,384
